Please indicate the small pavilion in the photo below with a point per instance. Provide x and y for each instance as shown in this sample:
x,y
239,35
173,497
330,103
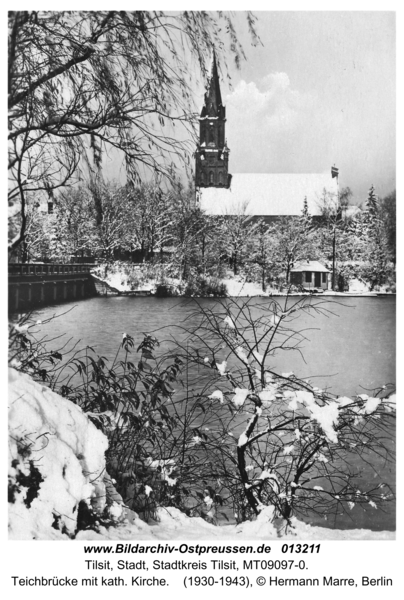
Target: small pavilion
x,y
310,274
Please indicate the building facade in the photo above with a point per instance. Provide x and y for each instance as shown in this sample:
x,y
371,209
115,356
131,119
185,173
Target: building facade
x,y
212,154
310,275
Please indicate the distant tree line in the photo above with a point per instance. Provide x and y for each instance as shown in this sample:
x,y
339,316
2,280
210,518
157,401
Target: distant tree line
x,y
152,224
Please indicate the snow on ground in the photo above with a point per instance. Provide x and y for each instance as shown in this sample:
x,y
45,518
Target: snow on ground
x,y
238,286
122,282
118,281
129,278
56,461
120,277
356,285
174,525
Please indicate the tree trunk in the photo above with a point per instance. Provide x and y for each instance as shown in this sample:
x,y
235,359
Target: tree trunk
x,y
333,262
24,255
287,272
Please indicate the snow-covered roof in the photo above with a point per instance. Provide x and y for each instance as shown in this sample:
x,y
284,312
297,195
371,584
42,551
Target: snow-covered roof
x,y
275,194
309,265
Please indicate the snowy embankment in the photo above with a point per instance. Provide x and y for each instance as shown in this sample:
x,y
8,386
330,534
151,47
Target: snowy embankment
x,y
238,286
124,278
57,477
56,461
119,277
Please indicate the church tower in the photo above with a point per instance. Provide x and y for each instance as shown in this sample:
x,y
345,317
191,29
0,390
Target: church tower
x,y
212,154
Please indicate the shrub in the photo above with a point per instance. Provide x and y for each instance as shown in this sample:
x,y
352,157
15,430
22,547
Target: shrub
x,y
151,435
279,440
205,287
165,290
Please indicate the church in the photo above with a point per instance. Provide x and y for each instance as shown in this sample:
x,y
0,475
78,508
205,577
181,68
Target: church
x,y
268,195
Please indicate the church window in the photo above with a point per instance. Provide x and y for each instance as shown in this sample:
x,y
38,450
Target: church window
x,y
220,177
212,137
202,178
210,176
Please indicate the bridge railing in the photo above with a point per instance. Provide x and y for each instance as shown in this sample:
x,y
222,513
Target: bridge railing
x,y
26,269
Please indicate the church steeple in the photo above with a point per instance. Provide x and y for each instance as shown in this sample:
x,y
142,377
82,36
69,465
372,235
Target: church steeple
x,y
213,106
212,154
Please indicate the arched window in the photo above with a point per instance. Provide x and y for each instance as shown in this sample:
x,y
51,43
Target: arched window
x,y
212,136
220,177
203,178
211,177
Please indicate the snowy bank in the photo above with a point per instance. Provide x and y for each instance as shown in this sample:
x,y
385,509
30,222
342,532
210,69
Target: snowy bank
x,y
123,278
174,525
56,461
57,467
126,278
239,286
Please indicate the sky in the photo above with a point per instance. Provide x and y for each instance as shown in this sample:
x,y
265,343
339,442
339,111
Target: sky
x,y
319,91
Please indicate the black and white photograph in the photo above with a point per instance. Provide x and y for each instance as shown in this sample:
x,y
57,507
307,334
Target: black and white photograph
x,y
202,278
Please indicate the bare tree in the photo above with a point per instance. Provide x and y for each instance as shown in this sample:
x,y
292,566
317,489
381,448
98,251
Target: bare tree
x,y
294,446
292,240
82,82
149,218
260,251
388,215
237,229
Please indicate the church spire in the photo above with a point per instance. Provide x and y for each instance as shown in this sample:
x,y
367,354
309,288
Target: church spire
x,y
213,98
212,154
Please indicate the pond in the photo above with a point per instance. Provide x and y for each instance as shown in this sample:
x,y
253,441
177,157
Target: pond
x,y
348,350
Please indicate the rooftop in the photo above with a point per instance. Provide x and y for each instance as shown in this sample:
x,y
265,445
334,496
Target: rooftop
x,y
309,265
275,194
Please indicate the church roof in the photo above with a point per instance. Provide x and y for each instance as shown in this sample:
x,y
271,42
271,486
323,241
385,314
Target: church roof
x,y
275,194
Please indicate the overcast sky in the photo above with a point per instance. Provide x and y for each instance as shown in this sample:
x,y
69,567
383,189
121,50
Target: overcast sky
x,y
321,90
